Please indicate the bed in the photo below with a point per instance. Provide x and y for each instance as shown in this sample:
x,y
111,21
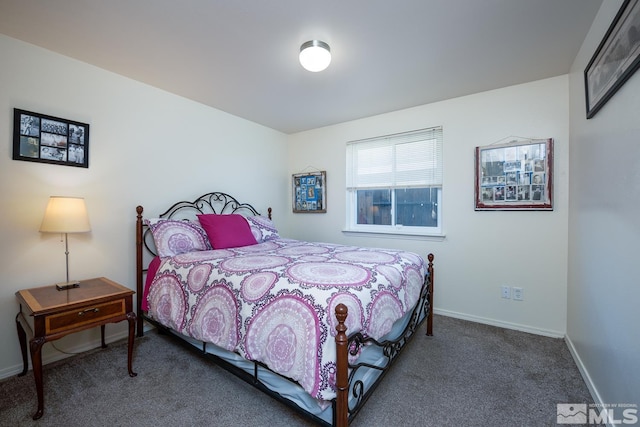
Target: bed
x,y
314,325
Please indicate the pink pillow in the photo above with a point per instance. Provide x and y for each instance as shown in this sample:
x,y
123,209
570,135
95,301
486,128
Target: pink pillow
x,y
227,231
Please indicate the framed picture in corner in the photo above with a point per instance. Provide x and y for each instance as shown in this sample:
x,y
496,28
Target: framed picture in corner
x,y
616,58
47,139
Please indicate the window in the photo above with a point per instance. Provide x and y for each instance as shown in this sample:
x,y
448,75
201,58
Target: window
x,y
394,183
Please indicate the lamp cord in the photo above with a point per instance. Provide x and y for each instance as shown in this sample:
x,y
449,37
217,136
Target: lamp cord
x,y
62,351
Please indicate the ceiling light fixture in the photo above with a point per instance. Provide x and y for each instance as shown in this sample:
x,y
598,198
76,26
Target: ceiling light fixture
x,y
315,55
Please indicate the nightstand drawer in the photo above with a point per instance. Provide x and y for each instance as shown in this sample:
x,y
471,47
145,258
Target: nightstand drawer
x,y
82,316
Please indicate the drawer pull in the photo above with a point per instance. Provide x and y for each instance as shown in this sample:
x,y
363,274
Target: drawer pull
x,y
89,310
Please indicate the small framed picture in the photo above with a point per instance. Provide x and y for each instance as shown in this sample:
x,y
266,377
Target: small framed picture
x,y
310,192
47,139
514,176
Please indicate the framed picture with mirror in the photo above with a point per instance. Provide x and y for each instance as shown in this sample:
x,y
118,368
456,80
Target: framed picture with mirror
x,y
514,176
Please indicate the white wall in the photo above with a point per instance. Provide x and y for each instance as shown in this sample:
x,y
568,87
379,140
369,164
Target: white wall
x,y
150,147
604,289
482,250
146,147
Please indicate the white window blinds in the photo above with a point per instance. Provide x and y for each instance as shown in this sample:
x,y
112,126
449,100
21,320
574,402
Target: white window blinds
x,y
412,159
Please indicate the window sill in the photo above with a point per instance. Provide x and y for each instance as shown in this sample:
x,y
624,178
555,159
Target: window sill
x,y
396,235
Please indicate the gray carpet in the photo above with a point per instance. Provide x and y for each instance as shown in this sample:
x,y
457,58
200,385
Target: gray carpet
x,y
467,374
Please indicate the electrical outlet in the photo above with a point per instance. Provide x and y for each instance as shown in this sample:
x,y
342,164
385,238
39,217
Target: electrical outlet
x,y
518,294
506,292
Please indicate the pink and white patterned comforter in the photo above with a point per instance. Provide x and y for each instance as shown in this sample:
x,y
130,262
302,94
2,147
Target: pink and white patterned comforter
x,y
274,302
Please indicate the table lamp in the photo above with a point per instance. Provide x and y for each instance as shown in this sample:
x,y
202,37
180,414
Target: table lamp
x,y
66,215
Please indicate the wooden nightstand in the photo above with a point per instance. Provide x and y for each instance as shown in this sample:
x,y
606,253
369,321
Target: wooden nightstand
x,y
55,313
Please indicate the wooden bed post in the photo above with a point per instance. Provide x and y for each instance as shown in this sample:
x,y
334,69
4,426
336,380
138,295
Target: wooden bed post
x,y
341,416
139,284
430,313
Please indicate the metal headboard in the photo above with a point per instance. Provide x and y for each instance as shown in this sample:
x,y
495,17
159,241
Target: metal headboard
x,y
210,203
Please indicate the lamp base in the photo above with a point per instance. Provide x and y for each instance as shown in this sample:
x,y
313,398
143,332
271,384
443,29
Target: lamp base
x,y
67,285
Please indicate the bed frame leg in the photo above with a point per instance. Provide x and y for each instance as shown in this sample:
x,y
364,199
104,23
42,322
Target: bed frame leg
x,y
341,417
430,313
139,285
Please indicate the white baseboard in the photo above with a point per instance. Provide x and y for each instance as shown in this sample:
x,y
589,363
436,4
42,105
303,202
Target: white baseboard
x,y
500,324
583,371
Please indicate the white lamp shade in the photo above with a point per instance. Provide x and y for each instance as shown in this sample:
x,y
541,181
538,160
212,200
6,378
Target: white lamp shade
x,y
315,55
65,215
